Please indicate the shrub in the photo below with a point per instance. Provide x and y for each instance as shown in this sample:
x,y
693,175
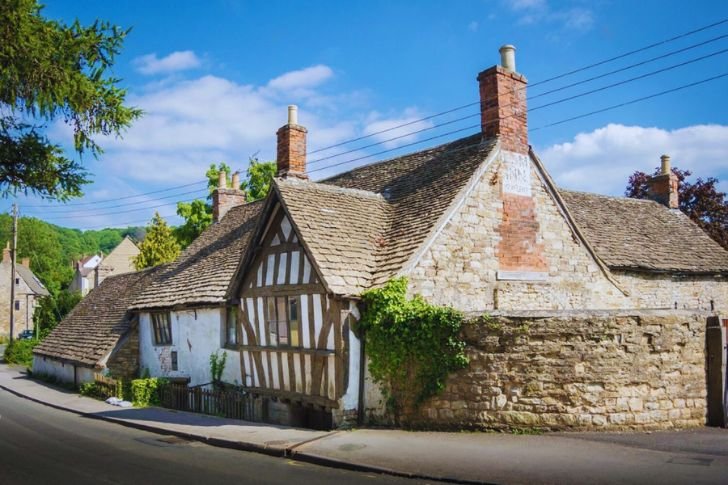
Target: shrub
x,y
91,389
20,352
145,392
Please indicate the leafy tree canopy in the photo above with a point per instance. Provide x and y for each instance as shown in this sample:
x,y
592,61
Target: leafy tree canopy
x,y
52,71
198,213
701,201
159,245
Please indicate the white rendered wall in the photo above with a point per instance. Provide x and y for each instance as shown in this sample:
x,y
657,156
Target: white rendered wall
x,y
195,335
61,371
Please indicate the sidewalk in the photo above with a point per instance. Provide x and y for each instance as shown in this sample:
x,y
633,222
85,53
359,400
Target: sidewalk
x,y
696,456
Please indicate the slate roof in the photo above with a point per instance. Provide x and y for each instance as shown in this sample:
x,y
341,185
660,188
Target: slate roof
x,y
380,214
202,273
94,326
644,235
31,280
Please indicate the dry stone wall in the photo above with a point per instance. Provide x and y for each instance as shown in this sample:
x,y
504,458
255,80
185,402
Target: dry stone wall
x,y
605,370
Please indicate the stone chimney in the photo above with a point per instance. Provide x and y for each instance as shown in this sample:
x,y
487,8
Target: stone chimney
x,y
7,257
503,103
225,198
663,188
291,159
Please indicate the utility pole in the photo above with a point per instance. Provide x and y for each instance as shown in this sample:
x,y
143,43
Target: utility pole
x,y
12,271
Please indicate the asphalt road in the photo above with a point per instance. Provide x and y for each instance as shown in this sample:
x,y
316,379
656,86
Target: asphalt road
x,y
39,444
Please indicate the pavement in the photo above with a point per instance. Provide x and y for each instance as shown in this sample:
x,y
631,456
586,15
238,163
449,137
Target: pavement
x,y
690,456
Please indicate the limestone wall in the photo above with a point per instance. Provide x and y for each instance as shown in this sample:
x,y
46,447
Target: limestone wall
x,y
682,292
502,251
606,370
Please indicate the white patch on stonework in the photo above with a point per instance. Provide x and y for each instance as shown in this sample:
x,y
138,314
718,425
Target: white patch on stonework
x,y
517,174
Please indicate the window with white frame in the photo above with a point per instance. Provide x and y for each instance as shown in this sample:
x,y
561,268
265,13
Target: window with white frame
x,y
161,328
283,320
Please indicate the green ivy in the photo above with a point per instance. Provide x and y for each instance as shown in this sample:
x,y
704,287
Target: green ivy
x,y
413,346
217,366
145,392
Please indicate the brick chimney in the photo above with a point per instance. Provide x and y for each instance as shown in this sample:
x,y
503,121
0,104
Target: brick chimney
x,y
663,188
503,103
225,198
291,159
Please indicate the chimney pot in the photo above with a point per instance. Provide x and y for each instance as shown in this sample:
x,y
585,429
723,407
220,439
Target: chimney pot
x,y
292,114
508,57
222,179
236,181
665,164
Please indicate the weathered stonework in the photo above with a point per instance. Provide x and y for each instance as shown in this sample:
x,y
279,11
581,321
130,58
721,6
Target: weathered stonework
x,y
605,370
124,360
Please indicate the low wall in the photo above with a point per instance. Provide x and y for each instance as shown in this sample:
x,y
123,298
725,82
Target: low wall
x,y
605,370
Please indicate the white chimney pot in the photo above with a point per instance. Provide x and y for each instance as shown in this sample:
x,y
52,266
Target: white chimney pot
x,y
508,57
292,114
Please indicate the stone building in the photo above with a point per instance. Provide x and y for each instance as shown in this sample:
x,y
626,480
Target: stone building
x,y
100,334
91,270
28,289
596,306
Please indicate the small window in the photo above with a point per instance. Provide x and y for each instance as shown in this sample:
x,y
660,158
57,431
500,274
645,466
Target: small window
x,y
231,326
174,360
283,321
17,281
162,327
17,304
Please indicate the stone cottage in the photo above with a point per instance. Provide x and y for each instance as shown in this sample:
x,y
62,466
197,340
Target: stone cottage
x,y
99,335
28,289
91,270
597,305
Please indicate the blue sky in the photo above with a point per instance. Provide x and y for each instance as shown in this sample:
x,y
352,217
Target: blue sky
x,y
214,79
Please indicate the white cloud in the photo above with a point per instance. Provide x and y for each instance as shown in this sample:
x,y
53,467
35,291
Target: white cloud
x,y
601,161
576,18
391,127
532,12
526,4
176,61
473,26
309,77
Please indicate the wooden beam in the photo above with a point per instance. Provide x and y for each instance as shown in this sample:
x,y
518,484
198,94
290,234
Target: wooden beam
x,y
284,290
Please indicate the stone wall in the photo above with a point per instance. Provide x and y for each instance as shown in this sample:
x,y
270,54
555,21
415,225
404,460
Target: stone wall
x,y
124,359
706,293
605,370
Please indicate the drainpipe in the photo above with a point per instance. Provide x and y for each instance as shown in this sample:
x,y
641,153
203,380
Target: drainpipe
x,y
362,364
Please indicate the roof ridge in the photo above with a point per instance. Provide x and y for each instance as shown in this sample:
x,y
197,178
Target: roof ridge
x,y
330,188
605,196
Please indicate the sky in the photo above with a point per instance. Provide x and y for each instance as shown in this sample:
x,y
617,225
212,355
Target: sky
x,y
214,79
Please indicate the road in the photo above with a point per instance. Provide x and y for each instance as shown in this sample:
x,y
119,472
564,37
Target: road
x,y
39,444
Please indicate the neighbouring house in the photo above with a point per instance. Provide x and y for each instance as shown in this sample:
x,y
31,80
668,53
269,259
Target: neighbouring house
x,y
91,270
28,289
100,334
600,303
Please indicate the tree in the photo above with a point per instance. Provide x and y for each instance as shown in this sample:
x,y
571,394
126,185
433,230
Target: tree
x,y
198,213
159,245
700,201
52,71
258,178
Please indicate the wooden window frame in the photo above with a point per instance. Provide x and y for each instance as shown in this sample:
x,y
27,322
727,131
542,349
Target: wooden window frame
x,y
161,331
276,324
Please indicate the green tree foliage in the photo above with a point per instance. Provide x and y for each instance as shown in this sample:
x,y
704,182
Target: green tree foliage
x,y
52,71
52,309
701,201
198,213
412,345
159,245
258,178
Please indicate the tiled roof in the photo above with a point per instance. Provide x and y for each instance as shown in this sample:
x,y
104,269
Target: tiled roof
x,y
202,273
95,325
382,213
31,280
644,235
342,228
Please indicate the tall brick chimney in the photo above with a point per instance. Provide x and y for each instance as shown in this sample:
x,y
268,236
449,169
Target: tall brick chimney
x,y
663,188
292,147
503,103
225,198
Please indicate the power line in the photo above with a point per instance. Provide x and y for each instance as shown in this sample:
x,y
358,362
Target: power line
x,y
123,198
532,85
198,191
552,103
608,108
77,216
